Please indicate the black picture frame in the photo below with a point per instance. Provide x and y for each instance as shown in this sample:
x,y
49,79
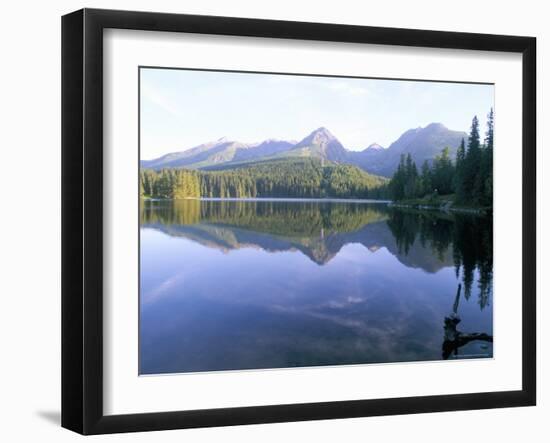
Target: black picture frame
x,y
82,218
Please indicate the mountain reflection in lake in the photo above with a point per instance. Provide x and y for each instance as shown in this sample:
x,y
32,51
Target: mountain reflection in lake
x,y
229,285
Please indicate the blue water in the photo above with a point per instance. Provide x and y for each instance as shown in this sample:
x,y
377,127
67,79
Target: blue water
x,y
229,285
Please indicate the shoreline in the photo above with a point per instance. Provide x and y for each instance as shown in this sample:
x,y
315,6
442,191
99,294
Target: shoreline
x,y
297,199
444,207
277,199
447,207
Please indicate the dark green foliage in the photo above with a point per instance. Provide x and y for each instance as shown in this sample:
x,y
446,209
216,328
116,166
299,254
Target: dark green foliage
x,y
460,191
407,184
443,173
397,183
426,181
411,184
487,162
470,178
301,178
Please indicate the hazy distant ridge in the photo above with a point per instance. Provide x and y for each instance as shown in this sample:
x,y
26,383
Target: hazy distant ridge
x,y
421,143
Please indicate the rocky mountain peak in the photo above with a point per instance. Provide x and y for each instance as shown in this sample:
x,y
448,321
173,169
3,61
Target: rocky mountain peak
x,y
374,147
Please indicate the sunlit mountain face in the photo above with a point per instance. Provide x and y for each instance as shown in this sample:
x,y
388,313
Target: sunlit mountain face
x,y
422,143
253,284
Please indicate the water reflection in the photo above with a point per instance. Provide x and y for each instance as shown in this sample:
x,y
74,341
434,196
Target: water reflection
x,y
258,284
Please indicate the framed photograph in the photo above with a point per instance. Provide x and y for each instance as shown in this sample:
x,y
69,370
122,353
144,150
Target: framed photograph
x,y
269,221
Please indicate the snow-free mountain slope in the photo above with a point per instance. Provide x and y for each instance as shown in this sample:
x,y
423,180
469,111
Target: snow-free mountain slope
x,y
421,143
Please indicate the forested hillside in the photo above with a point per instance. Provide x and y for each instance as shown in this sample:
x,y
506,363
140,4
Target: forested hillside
x,y
302,178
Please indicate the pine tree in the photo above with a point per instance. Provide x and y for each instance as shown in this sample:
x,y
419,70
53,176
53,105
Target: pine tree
x,y
443,172
460,162
426,186
471,165
411,178
487,163
397,183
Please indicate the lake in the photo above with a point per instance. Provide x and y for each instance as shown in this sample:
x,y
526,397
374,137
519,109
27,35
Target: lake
x,y
252,284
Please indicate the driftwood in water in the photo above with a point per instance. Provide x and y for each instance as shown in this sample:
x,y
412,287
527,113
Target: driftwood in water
x,y
454,338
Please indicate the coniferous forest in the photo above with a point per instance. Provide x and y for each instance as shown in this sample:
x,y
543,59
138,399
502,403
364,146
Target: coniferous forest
x,y
299,178
469,178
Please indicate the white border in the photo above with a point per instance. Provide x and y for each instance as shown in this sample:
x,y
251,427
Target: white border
x,y
125,392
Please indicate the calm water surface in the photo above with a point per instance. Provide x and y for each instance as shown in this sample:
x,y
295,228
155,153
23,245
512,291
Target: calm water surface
x,y
229,285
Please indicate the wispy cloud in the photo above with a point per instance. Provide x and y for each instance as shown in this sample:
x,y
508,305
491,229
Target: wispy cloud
x,y
162,289
186,108
155,96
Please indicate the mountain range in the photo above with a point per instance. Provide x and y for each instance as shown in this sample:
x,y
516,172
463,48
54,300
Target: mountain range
x,y
422,143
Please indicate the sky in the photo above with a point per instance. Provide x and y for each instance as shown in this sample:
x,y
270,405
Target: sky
x,y
180,109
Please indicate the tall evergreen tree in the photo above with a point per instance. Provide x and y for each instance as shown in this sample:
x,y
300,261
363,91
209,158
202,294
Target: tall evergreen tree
x,y
487,161
411,178
443,172
460,162
397,183
471,180
426,186
489,135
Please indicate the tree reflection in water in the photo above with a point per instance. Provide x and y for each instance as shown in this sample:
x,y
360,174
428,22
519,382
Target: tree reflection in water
x,y
426,240
470,237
